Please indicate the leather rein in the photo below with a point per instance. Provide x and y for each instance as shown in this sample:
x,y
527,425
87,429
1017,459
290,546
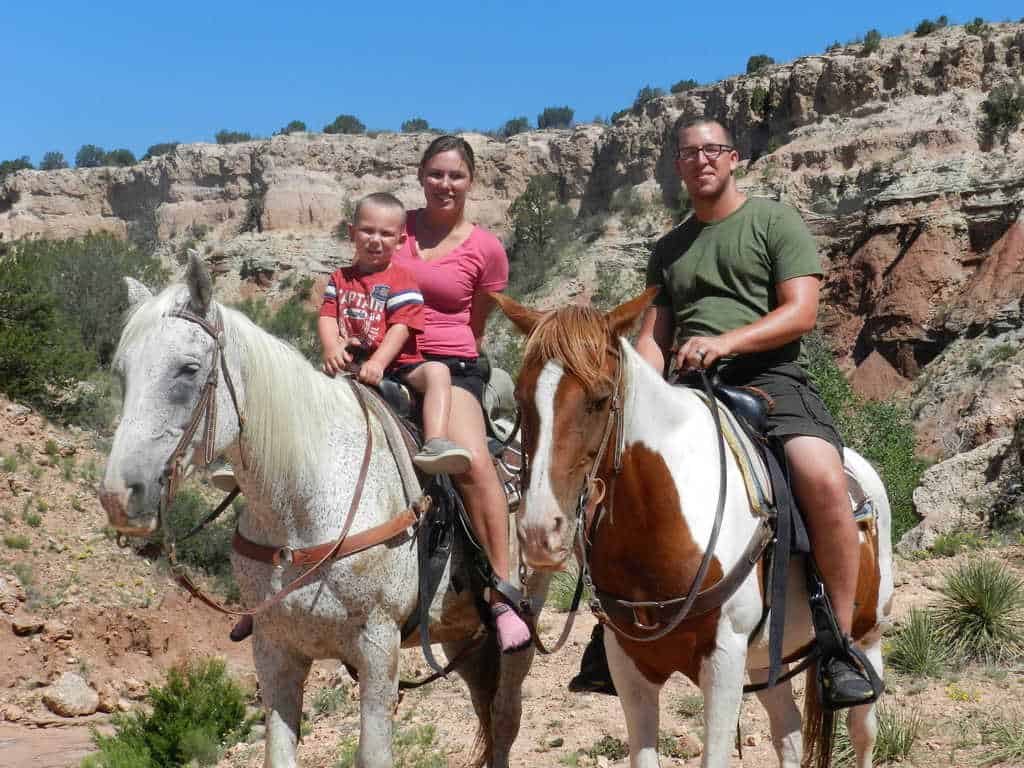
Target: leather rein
x,y
590,512
317,556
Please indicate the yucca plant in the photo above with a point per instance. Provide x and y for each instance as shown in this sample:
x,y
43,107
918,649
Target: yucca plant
x,y
918,648
982,614
562,588
897,732
1005,739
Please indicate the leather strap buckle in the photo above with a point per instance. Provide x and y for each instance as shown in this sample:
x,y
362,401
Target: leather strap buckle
x,y
284,556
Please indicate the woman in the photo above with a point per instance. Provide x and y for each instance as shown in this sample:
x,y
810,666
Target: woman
x,y
456,263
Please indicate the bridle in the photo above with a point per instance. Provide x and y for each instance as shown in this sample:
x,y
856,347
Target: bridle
x,y
590,512
206,408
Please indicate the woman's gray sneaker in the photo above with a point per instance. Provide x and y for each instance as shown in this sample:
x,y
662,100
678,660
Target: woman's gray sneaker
x,y
442,457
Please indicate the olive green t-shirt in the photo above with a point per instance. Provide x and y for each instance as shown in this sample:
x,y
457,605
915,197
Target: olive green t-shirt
x,y
722,275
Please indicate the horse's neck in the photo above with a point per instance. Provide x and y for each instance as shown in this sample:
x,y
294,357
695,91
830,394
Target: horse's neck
x,y
302,447
652,406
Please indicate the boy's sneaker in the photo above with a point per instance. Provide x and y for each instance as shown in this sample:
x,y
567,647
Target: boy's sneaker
x,y
442,457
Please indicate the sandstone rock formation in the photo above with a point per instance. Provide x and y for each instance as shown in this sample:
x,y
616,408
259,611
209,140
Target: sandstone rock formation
x,y
71,696
915,208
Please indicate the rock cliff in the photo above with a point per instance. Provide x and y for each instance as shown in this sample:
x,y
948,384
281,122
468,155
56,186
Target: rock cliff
x,y
915,208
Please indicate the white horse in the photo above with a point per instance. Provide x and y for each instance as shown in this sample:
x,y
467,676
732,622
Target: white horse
x,y
296,462
595,416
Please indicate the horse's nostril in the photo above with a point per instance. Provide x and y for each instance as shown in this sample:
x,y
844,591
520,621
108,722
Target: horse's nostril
x,y
559,523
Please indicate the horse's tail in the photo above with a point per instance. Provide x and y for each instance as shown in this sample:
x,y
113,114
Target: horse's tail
x,y
486,678
819,724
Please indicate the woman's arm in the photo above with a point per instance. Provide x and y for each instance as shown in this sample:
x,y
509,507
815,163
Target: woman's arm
x,y
479,311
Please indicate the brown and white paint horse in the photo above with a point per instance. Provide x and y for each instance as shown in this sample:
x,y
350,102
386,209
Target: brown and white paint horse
x,y
656,526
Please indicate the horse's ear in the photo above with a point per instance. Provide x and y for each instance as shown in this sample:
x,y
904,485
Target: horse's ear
x,y
137,292
621,319
200,285
522,317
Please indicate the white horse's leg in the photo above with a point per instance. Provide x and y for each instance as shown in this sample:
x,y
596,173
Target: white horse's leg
x,y
639,697
721,682
378,692
783,716
861,721
282,675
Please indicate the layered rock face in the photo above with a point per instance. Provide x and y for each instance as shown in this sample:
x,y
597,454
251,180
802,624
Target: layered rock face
x,y
915,209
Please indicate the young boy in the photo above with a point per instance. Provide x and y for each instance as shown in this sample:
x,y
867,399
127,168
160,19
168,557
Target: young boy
x,y
371,314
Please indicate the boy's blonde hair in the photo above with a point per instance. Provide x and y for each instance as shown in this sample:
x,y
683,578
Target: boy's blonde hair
x,y
382,199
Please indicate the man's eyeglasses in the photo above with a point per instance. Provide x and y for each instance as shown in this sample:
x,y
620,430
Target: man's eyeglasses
x,y
711,152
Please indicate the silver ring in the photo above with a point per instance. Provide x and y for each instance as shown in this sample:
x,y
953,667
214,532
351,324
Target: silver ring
x,y
701,353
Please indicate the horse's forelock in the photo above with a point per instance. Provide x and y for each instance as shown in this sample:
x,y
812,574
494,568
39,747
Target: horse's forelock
x,y
578,337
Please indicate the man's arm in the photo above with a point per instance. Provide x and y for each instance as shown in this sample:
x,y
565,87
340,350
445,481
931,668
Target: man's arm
x,y
796,315
655,337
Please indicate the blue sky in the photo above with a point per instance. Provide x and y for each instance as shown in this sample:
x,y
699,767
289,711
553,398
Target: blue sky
x,y
121,74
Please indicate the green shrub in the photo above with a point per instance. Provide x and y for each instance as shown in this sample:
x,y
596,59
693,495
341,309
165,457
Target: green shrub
x,y
515,125
210,549
982,613
10,463
684,85
295,126
156,150
1004,737
327,701
541,225
224,136
8,167
17,541
628,203
759,103
758,62
349,124
197,712
610,747
1004,108
119,157
292,322
562,588
415,125
644,95
977,27
555,117
918,648
90,156
691,705
881,432
872,42
32,519
894,741
1002,352
953,543
927,26
53,161
67,466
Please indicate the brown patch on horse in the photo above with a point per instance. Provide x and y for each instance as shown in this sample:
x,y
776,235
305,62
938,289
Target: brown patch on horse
x,y
645,551
865,600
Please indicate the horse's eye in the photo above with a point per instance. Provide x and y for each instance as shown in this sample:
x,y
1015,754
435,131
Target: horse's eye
x,y
593,406
189,369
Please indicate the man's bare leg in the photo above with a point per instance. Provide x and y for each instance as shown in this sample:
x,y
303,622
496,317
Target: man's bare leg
x,y
819,484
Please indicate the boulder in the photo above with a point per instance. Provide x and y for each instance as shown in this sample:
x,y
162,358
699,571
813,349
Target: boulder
x,y
24,625
71,696
956,495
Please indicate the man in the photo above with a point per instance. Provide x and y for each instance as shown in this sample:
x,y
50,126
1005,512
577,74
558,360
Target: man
x,y
740,281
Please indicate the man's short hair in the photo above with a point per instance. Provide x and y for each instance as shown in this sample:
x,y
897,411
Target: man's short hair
x,y
684,122
382,199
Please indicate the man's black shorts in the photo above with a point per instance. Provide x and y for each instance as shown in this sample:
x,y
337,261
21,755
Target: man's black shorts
x,y
798,407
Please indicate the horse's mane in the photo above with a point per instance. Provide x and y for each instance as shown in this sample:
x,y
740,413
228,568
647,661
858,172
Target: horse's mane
x,y
289,406
579,338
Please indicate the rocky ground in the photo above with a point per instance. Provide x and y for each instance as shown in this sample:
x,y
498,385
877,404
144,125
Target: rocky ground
x,y
85,626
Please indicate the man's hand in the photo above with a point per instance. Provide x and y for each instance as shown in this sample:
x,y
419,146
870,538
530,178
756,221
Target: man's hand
x,y
371,372
702,352
337,357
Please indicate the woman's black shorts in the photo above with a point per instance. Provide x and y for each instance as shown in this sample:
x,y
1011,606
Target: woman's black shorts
x,y
466,373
